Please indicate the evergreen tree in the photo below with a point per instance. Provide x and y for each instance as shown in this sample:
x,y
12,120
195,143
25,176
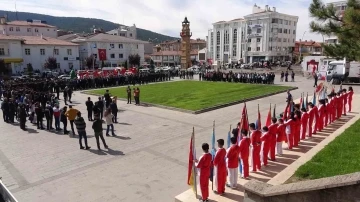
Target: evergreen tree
x,y
134,59
50,63
343,24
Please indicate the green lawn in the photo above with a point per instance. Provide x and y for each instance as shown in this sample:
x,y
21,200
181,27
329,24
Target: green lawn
x,y
195,95
339,157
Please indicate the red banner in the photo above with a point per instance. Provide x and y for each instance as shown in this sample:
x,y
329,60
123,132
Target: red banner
x,y
102,54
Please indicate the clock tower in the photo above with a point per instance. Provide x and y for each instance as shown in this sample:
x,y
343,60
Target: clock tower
x,y
185,44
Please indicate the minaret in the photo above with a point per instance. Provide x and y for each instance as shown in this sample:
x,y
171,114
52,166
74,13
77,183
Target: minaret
x,y
185,44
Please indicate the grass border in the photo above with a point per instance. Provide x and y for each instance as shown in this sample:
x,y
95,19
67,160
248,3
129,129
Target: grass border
x,y
208,109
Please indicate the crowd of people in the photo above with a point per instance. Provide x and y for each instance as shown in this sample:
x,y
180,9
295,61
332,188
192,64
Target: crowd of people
x,y
258,145
259,78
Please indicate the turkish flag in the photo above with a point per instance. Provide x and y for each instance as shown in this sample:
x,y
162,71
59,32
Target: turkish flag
x,y
102,54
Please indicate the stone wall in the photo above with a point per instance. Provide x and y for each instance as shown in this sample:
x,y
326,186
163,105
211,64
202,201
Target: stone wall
x,y
342,188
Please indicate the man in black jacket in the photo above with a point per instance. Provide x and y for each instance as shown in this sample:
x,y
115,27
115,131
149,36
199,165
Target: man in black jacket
x,y
235,131
39,116
99,108
89,107
98,130
114,111
81,128
49,112
107,98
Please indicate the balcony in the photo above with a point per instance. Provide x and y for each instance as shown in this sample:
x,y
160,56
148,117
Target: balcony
x,y
255,35
255,26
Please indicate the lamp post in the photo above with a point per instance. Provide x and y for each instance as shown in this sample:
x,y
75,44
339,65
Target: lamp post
x,y
300,45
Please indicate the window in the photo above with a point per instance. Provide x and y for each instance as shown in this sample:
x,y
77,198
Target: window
x,y
280,21
270,48
286,22
275,20
258,31
2,51
249,22
258,40
280,30
70,65
18,29
218,38
285,31
217,52
111,45
137,46
121,46
130,34
294,32
58,65
294,23
226,41
270,39
284,40
112,55
289,31
27,51
257,48
69,51
28,29
36,30
234,50
279,39
42,51
293,40
235,36
249,40
249,48
56,51
121,55
11,29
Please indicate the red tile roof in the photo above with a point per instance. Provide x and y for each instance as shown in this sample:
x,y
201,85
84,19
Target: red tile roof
x,y
193,52
25,23
308,43
9,37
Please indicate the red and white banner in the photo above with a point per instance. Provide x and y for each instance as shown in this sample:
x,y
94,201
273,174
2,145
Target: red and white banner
x,y
102,54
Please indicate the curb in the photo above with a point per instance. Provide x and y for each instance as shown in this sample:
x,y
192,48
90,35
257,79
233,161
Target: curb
x,y
206,109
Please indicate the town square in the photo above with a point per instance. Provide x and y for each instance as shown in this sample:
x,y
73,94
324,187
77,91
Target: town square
x,y
109,115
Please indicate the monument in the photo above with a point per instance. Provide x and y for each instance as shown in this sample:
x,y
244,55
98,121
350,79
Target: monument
x,y
185,44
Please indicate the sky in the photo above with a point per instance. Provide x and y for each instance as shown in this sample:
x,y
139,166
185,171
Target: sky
x,y
165,16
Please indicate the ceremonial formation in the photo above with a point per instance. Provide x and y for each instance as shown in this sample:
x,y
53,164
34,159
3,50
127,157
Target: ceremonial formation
x,y
264,78
253,144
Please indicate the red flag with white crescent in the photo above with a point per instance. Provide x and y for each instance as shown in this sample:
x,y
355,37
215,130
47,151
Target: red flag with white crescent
x,y
102,54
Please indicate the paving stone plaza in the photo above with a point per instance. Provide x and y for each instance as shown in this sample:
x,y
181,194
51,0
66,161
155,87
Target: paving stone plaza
x,y
147,161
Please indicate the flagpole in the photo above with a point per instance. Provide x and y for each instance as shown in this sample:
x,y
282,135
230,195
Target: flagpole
x,y
194,167
212,182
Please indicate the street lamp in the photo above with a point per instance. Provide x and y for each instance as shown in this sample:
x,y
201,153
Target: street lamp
x,y
300,44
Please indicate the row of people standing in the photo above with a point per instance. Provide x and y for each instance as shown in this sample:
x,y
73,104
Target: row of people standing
x,y
261,145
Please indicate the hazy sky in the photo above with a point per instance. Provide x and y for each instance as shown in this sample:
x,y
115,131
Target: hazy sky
x,y
165,16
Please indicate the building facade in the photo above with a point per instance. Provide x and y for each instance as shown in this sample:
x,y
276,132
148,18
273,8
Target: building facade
x,y
117,48
263,35
125,31
308,48
27,28
19,51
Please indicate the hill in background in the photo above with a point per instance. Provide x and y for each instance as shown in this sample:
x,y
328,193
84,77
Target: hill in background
x,y
80,25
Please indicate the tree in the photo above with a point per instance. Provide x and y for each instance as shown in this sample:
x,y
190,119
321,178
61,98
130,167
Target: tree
x,y
51,63
345,25
134,59
3,69
126,64
29,69
90,62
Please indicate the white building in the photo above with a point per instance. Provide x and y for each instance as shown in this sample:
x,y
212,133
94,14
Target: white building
x,y
19,51
125,31
340,7
263,35
117,48
27,28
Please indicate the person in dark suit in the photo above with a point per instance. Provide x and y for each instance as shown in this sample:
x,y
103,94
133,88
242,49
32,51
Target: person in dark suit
x,y
114,110
99,108
89,107
235,131
107,98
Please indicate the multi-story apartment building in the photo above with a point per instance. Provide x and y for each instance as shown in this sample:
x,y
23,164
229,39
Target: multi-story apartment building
x,y
125,31
19,51
307,48
263,35
340,7
27,28
117,48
